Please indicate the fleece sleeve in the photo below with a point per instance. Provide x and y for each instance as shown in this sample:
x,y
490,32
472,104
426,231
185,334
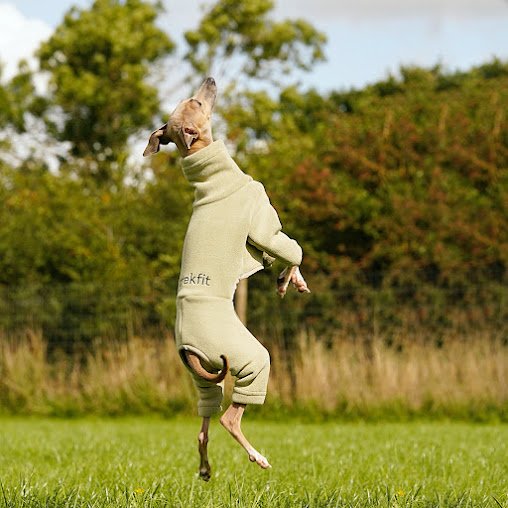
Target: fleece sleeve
x,y
266,233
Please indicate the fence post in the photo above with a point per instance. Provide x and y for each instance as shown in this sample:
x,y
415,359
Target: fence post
x,y
241,297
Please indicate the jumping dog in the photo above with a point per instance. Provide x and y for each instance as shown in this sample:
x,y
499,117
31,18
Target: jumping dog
x,y
232,233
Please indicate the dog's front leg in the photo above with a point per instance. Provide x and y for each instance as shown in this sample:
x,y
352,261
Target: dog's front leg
x,y
292,275
205,471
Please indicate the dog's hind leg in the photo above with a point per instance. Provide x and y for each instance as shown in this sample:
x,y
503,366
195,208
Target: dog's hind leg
x,y
232,420
205,472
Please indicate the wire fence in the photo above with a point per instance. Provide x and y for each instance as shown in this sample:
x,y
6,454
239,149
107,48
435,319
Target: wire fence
x,y
80,313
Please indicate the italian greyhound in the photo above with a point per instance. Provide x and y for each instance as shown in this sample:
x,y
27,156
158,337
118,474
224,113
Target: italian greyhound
x,y
189,128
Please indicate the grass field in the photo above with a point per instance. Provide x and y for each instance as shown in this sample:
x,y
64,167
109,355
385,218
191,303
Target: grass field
x,y
153,462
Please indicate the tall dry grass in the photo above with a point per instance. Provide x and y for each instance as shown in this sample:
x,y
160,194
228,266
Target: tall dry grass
x,y
466,378
136,376
348,378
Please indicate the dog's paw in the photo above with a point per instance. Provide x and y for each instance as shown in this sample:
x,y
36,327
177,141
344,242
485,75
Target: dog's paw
x,y
205,474
283,281
291,275
260,460
299,282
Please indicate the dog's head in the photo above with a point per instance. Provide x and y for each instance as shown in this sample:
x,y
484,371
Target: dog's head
x,y
189,126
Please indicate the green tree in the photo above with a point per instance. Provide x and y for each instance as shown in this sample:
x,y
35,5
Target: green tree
x,y
237,38
398,188
98,60
18,97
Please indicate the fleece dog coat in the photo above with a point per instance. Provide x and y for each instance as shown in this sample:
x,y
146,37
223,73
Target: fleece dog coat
x,y
233,230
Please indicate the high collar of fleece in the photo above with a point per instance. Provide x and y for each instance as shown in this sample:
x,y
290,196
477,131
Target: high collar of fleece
x,y
213,173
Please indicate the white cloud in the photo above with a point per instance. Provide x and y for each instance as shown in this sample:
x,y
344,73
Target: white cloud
x,y
326,9
19,37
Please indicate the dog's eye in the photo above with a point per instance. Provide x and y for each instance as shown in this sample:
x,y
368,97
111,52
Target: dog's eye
x,y
198,102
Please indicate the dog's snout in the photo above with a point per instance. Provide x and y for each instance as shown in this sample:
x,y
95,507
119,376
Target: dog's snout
x,y
207,93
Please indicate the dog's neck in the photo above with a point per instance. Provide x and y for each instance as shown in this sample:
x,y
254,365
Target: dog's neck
x,y
198,145
213,173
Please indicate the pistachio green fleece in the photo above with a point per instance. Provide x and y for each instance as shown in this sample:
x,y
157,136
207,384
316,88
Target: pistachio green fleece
x,y
233,230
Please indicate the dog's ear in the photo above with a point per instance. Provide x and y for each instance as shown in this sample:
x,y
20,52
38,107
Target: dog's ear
x,y
157,138
189,135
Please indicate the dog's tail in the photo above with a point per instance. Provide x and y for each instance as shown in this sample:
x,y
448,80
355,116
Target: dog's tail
x,y
194,362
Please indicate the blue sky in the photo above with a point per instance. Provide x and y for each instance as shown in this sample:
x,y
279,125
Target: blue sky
x,y
367,39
